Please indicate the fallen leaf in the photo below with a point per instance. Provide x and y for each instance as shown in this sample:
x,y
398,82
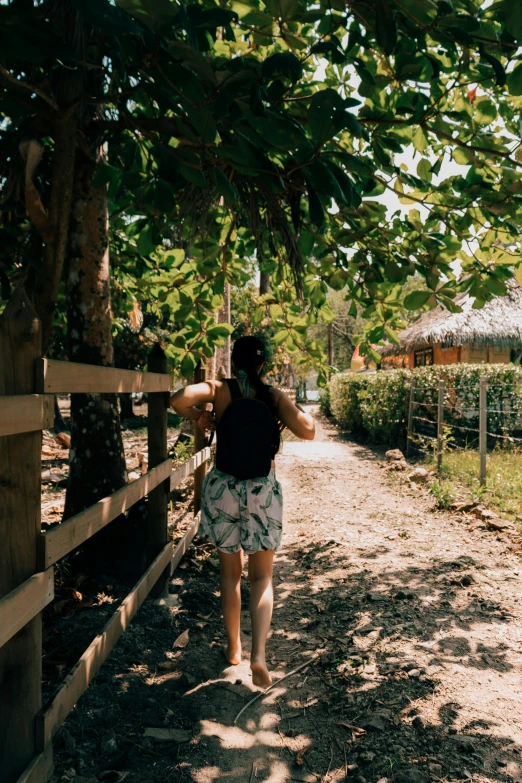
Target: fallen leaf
x,y
169,735
356,729
182,640
299,759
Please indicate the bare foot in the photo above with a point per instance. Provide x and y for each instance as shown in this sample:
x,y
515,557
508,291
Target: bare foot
x,y
232,654
260,674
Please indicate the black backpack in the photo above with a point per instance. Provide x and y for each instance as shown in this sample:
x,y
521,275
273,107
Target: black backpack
x,y
245,436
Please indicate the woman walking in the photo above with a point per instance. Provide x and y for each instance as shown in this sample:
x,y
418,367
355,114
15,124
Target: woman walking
x,y
242,503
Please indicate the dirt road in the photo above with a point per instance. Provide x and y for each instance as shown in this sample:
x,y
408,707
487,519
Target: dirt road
x,y
412,623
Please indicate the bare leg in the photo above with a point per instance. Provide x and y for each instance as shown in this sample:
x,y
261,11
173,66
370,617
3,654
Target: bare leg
x,y
231,567
261,604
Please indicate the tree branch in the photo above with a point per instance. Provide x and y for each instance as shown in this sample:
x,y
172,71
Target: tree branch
x,y
4,73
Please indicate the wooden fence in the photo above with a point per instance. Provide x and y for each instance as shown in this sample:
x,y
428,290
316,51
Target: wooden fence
x,y
437,421
28,556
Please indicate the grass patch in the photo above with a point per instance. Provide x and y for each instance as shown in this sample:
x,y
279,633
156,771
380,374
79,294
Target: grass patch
x,y
503,490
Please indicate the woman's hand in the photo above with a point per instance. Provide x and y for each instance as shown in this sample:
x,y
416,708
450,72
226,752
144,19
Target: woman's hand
x,y
207,421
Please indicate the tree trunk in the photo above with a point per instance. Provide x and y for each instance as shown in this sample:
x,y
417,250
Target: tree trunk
x,y
330,345
126,411
49,273
97,462
264,283
223,354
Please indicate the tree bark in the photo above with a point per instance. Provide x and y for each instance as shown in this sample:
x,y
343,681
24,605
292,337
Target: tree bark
x,y
97,462
264,283
126,411
223,354
48,276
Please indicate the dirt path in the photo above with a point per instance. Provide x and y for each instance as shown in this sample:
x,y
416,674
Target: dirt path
x,y
413,624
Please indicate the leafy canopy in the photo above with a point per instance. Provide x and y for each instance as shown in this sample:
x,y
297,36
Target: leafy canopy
x,y
270,130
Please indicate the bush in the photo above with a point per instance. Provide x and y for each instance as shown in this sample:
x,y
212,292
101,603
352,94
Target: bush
x,y
376,405
325,401
345,401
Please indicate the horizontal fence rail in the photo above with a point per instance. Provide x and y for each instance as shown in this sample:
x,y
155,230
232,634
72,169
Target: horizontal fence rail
x,y
25,413
77,681
58,542
189,467
31,413
54,377
25,602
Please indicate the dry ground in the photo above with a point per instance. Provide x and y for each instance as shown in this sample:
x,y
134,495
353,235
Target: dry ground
x,y
411,621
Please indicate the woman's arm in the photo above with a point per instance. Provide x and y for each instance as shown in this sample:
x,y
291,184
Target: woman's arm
x,y
184,400
297,421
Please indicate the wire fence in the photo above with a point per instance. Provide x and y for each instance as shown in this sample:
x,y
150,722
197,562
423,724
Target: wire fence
x,y
481,415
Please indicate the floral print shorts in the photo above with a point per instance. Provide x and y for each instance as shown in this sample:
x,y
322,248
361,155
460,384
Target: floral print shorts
x,y
242,514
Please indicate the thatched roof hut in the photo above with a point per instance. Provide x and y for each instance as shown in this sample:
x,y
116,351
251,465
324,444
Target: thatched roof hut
x,y
491,334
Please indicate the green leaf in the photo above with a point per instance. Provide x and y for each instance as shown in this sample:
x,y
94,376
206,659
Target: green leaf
x,y
204,123
192,59
325,115
146,241
188,364
385,26
417,299
419,139
225,187
513,19
315,208
424,169
220,330
282,64
391,334
495,286
485,111
105,16
195,176
154,14
514,80
497,66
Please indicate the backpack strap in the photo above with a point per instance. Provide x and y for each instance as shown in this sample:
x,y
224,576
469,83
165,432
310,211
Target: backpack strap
x,y
234,388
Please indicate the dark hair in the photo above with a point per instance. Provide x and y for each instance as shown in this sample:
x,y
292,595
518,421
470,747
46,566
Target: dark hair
x,y
248,354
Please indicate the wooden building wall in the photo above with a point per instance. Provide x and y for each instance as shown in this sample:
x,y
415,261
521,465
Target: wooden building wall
x,y
466,354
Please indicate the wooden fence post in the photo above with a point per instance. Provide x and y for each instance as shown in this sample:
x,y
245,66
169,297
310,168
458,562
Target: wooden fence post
x,y
440,426
20,525
200,375
483,428
158,503
410,417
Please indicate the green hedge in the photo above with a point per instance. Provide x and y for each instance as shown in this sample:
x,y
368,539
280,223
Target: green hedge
x,y
375,405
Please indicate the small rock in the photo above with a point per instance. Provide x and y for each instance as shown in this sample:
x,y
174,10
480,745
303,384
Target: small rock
x,y
377,722
414,674
68,741
417,722
398,465
291,733
419,476
394,454
499,524
375,597
352,768
410,775
108,744
452,730
366,757
465,744
435,769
